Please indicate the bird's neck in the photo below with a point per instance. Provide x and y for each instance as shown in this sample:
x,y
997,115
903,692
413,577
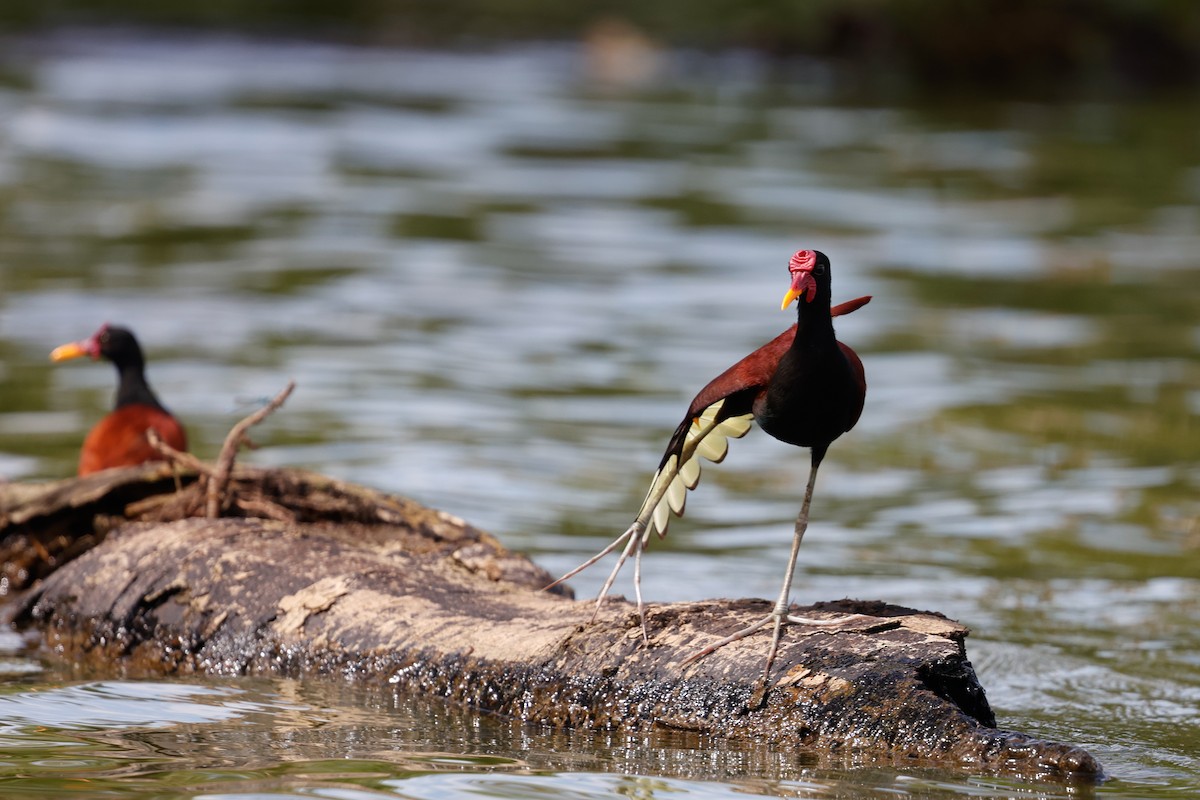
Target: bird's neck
x,y
132,388
814,324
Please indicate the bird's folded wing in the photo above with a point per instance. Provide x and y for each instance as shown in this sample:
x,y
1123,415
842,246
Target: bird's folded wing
x,y
705,435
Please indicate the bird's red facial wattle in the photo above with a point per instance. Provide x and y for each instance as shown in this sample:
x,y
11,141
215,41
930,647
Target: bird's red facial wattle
x,y
803,283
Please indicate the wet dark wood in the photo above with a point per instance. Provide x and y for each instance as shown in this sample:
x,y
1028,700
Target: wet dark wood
x,y
347,581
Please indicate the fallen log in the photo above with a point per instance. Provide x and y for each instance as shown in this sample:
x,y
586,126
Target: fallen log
x,y
347,581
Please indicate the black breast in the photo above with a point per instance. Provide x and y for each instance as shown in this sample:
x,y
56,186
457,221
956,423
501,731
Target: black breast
x,y
812,399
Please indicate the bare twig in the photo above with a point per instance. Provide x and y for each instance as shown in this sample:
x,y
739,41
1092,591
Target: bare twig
x,y
265,509
185,460
224,468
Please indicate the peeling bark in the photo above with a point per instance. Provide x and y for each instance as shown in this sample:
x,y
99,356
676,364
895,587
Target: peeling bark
x,y
347,581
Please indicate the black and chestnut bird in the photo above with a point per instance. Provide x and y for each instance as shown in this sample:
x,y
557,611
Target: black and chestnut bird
x,y
119,440
804,387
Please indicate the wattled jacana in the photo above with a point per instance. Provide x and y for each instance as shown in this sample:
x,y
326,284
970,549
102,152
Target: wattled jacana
x,y
119,440
803,387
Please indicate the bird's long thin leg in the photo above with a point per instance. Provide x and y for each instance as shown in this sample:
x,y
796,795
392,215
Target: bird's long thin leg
x,y
634,545
658,490
779,613
637,585
613,545
781,605
635,542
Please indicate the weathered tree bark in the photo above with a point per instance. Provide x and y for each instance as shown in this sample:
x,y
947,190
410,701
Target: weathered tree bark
x,y
349,581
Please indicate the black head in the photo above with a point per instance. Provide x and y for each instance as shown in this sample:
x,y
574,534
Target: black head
x,y
117,345
810,278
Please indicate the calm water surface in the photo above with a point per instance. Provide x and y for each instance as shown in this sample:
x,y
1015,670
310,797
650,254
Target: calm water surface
x,y
498,283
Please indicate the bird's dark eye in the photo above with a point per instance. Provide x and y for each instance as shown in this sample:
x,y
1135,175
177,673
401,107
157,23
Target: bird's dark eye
x,y
819,269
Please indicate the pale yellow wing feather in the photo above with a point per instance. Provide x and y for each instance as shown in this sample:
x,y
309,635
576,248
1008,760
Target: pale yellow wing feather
x,y
706,438
713,448
689,473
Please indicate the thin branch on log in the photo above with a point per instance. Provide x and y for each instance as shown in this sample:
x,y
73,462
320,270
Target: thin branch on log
x,y
220,476
265,509
185,460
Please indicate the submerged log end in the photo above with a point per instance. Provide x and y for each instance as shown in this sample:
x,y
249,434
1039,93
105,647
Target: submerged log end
x,y
888,684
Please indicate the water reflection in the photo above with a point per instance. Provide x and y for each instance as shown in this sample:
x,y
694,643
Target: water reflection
x,y
498,289
271,738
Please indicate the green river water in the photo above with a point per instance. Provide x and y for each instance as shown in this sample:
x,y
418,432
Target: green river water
x,y
498,284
